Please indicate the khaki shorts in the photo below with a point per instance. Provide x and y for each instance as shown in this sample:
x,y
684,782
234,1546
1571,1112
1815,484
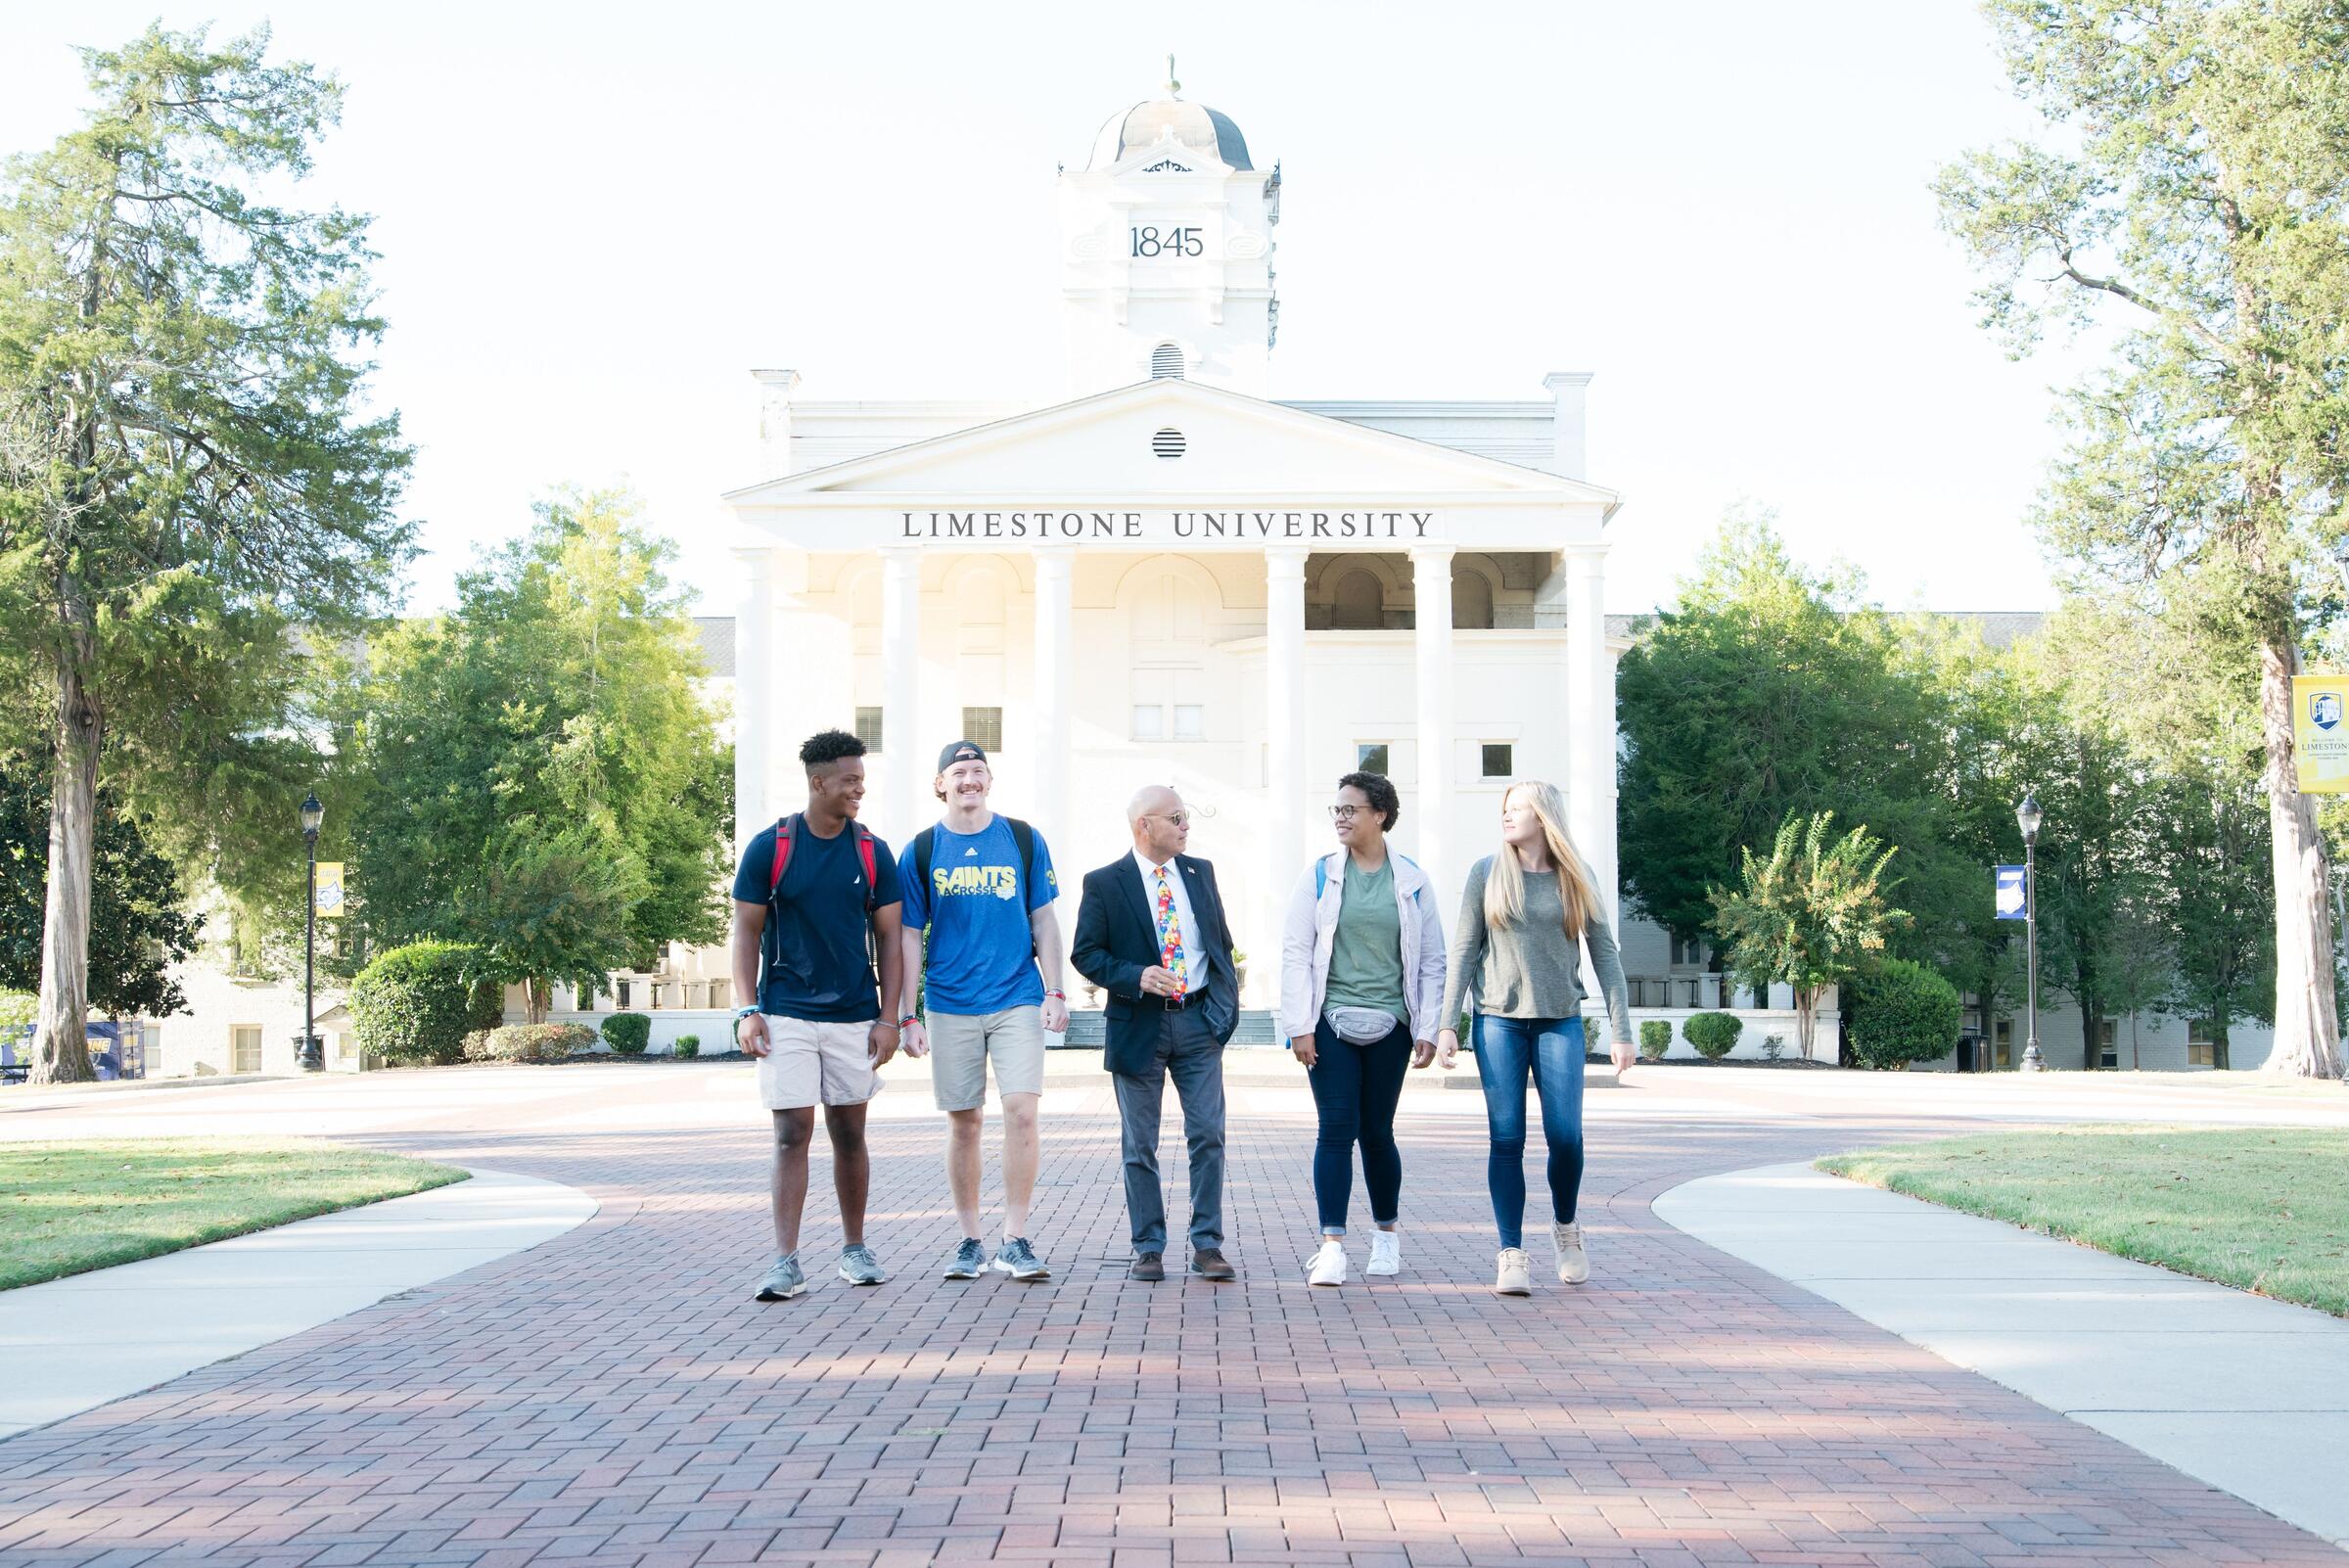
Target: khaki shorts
x,y
809,1063
961,1044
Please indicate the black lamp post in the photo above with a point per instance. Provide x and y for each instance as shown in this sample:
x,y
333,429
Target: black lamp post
x,y
2027,817
313,1058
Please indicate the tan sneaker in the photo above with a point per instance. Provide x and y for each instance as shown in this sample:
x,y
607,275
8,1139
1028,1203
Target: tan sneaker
x,y
1513,1277
1574,1265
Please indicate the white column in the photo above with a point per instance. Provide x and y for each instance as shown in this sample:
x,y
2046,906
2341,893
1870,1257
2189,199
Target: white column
x,y
1284,756
753,681
908,801
1590,722
1431,595
1052,720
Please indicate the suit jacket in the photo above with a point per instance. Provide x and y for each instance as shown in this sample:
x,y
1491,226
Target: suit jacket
x,y
1116,938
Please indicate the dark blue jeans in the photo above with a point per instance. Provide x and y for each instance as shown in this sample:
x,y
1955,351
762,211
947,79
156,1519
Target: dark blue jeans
x,y
1355,1089
1551,1049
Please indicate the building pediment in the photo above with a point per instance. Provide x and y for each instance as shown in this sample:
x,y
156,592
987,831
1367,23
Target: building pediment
x,y
1162,441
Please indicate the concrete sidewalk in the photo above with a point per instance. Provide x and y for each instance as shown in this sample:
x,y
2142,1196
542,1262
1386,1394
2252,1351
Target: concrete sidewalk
x,y
73,1344
2247,1394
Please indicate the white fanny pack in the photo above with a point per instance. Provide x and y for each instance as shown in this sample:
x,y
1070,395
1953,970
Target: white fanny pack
x,y
1361,1026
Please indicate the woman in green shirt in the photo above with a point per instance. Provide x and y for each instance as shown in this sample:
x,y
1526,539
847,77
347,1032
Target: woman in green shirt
x,y
1361,973
1525,914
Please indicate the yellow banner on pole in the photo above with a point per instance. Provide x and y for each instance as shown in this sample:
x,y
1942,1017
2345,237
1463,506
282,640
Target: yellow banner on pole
x,y
2321,733
330,889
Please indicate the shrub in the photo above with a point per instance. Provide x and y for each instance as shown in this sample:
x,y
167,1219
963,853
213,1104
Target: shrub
x,y
1773,1047
628,1033
540,1042
476,1046
1903,1013
412,1003
687,1045
486,1006
1655,1038
1713,1034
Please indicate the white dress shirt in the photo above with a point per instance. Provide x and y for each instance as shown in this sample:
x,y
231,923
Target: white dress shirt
x,y
1194,956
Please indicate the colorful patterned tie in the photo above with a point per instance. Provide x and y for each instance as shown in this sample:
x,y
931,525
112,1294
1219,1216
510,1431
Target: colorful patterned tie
x,y
1169,937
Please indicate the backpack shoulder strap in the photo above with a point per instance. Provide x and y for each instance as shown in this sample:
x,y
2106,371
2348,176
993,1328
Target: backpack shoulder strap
x,y
925,843
1320,877
774,880
1023,838
872,874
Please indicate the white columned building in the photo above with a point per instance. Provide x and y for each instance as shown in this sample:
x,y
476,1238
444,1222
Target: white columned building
x,y
1173,577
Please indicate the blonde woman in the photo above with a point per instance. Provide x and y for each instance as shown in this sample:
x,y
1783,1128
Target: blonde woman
x,y
1523,916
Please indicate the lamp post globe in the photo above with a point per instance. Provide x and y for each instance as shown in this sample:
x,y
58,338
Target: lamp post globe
x,y
2027,817
312,1057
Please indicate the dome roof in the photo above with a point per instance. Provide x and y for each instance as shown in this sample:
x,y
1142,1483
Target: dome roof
x,y
1192,124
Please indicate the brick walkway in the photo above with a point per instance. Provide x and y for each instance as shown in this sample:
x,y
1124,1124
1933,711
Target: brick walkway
x,y
615,1398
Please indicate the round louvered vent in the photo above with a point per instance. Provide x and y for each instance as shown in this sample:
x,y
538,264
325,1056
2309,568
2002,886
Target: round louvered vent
x,y
1168,443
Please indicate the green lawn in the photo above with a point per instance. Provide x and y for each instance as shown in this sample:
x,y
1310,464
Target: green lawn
x,y
2265,1209
66,1207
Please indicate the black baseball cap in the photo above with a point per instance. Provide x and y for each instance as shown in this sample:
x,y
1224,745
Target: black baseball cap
x,y
962,750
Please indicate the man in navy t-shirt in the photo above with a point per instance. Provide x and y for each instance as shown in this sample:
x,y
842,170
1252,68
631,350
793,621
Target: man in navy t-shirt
x,y
981,886
815,1017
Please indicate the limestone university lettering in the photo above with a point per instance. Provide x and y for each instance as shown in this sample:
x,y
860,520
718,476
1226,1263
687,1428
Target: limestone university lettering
x,y
1051,527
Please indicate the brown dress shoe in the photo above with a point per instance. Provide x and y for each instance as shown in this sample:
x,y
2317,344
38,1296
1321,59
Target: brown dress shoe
x,y
1209,1263
1149,1266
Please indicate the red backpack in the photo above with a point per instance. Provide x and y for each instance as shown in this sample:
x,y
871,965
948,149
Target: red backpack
x,y
783,836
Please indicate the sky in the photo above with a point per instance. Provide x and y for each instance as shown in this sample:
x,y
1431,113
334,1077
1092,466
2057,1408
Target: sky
x,y
594,219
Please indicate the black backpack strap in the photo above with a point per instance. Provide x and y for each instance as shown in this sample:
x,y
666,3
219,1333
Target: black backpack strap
x,y
1024,837
925,842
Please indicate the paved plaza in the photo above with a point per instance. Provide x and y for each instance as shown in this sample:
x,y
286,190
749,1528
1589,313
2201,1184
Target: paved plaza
x,y
613,1396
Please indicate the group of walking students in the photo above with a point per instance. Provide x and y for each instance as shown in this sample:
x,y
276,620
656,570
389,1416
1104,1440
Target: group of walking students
x,y
848,954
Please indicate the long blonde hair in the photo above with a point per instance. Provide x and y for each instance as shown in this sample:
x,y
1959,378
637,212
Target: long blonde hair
x,y
1505,880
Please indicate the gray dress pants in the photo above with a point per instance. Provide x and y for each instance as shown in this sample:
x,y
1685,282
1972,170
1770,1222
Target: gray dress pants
x,y
1187,1052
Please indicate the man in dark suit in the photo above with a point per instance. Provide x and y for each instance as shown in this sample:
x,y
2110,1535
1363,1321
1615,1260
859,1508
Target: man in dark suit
x,y
1151,934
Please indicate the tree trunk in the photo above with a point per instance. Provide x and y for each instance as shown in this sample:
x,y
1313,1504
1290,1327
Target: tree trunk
x,y
2091,1049
2307,1029
1806,1019
61,1052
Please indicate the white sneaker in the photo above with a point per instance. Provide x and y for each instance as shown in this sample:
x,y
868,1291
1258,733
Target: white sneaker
x,y
1386,1254
1513,1277
1574,1265
1327,1266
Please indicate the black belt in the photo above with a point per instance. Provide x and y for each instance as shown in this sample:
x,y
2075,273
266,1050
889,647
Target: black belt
x,y
1175,1005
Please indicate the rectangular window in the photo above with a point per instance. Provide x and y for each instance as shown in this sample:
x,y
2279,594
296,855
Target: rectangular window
x,y
722,995
2108,1053
1688,953
620,991
1371,756
1190,722
2002,1041
868,727
2201,1053
1149,722
1500,761
347,1047
983,727
245,1048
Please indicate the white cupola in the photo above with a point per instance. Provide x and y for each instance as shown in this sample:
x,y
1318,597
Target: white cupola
x,y
1166,252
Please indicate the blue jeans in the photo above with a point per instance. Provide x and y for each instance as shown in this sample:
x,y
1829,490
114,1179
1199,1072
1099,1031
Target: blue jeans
x,y
1355,1089
1551,1048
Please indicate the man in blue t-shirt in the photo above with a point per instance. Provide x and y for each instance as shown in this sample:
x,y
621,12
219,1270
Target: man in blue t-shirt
x,y
979,888
815,899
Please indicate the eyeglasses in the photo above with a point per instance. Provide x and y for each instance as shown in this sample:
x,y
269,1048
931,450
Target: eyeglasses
x,y
1344,814
1178,818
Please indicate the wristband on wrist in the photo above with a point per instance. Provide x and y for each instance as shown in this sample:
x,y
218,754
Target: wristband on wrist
x,y
909,1018
1058,996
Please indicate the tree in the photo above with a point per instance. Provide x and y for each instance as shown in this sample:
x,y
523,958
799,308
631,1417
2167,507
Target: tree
x,y
1901,1013
1768,691
2199,197
536,774
139,925
185,475
1812,915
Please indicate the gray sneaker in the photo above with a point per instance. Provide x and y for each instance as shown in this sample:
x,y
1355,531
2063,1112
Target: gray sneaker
x,y
966,1260
784,1280
1019,1260
859,1266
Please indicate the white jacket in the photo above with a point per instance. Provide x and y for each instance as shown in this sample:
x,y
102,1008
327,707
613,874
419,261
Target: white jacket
x,y
1313,926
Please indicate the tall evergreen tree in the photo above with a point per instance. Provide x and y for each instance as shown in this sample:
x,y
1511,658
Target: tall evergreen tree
x,y
186,472
2193,194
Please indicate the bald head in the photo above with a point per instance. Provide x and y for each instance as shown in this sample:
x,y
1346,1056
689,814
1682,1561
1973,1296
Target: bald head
x,y
1160,826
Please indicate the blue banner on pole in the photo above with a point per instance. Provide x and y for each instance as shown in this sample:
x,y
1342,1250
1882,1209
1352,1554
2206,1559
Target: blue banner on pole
x,y
2010,893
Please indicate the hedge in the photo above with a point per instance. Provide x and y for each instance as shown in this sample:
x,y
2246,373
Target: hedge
x,y
540,1042
687,1045
1713,1034
1655,1038
1903,1013
414,1003
628,1033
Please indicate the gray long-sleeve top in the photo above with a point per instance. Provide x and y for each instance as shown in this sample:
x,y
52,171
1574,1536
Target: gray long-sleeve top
x,y
1530,969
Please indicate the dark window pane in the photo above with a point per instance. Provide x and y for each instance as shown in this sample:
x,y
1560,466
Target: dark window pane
x,y
1500,760
1371,756
868,727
